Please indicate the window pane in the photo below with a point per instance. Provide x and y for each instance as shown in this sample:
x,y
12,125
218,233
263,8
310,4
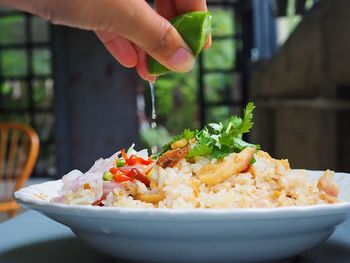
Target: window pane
x,y
43,124
221,113
176,97
46,164
17,117
14,94
221,55
41,61
222,87
12,29
40,30
43,92
222,22
17,101
13,62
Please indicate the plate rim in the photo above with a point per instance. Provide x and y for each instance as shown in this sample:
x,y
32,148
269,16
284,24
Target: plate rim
x,y
22,197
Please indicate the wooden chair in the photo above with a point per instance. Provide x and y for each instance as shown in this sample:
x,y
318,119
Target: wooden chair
x,y
19,148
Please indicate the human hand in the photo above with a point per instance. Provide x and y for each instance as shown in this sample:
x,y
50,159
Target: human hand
x,y
129,29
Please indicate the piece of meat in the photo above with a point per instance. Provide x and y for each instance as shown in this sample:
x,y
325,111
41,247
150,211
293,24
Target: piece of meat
x,y
179,143
150,198
212,174
328,186
172,157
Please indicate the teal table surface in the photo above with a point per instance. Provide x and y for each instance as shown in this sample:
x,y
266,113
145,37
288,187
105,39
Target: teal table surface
x,y
33,238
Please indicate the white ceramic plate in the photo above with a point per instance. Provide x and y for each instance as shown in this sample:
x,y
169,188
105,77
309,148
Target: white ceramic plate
x,y
196,235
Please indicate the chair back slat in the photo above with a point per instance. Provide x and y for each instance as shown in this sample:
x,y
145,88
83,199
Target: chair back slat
x,y
3,148
22,154
12,161
25,162
19,147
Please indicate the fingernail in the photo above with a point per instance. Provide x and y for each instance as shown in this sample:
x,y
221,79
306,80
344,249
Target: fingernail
x,y
182,60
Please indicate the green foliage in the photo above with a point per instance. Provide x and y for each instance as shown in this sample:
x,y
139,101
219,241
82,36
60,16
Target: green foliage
x,y
176,97
42,61
13,62
12,29
220,55
222,52
217,140
154,137
222,22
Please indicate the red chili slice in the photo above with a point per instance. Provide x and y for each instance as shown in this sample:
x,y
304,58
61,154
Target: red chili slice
x,y
99,202
133,159
120,177
125,156
139,176
113,170
146,162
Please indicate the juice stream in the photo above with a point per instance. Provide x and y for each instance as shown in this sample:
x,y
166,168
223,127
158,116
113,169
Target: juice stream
x,y
154,115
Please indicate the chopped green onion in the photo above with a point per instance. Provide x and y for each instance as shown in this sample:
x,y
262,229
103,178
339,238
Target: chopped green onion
x,y
120,162
150,173
107,176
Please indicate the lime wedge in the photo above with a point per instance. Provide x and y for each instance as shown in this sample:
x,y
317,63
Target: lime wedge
x,y
194,27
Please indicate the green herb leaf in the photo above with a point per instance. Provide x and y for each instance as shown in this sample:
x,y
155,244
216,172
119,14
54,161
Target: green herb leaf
x,y
247,122
188,134
240,144
218,140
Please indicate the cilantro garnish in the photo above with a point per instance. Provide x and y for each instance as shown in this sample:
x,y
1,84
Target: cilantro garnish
x,y
218,140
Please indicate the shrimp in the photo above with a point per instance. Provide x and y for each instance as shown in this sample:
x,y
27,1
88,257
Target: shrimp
x,y
212,174
328,186
150,198
172,157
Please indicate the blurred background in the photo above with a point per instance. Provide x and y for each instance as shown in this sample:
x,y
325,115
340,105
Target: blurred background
x,y
291,57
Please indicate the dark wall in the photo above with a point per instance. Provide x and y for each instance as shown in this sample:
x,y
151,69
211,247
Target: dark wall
x,y
303,92
95,100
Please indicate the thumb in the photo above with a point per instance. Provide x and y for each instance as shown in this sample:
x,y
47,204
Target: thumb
x,y
155,35
134,20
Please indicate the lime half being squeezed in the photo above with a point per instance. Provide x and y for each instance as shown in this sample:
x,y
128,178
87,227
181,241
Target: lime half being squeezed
x,y
194,27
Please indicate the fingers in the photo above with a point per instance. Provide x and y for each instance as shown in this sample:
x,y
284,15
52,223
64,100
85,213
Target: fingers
x,y
190,6
133,20
166,8
154,34
126,53
141,66
121,49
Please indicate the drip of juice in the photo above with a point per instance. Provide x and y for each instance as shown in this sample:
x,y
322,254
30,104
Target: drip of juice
x,y
153,114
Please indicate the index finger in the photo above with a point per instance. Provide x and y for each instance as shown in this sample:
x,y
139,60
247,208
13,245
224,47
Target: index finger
x,y
166,8
190,6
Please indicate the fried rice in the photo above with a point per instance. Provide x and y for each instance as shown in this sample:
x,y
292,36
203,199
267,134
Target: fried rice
x,y
264,183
